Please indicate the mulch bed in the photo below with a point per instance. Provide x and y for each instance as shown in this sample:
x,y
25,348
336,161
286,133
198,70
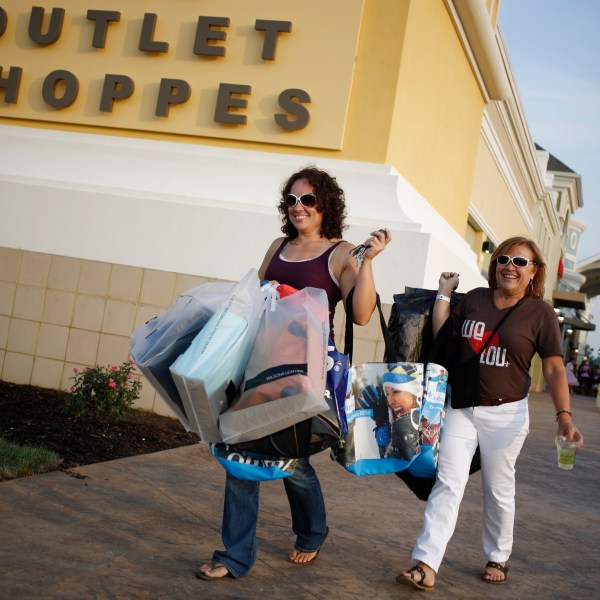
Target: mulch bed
x,y
33,416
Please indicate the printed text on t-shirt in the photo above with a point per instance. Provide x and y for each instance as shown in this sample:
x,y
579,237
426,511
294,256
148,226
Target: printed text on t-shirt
x,y
493,355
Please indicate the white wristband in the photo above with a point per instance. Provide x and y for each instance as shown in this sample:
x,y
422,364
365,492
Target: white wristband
x,y
442,297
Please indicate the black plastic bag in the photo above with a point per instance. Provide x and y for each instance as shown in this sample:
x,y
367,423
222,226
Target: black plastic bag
x,y
300,440
421,486
410,323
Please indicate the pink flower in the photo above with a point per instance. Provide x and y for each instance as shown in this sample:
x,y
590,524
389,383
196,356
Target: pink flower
x,y
126,383
72,389
112,384
115,368
75,370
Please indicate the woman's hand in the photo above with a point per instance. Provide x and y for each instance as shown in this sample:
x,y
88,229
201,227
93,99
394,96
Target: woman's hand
x,y
448,283
377,242
358,274
568,429
555,375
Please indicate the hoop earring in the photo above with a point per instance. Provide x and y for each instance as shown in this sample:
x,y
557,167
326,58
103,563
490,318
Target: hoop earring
x,y
530,287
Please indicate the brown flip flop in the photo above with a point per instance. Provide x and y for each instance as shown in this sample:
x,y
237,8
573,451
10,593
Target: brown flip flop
x,y
312,560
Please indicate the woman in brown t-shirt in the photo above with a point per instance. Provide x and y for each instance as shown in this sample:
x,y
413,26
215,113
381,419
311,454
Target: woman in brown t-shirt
x,y
499,420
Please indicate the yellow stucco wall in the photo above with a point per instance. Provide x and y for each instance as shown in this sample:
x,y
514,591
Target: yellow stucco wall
x,y
437,118
373,102
490,194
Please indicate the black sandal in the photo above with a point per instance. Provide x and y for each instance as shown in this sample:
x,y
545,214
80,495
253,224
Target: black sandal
x,y
409,577
494,565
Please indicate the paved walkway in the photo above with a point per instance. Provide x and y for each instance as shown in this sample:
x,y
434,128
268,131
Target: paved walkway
x,y
138,527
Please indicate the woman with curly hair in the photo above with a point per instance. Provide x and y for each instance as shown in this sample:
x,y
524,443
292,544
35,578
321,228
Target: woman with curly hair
x,y
311,253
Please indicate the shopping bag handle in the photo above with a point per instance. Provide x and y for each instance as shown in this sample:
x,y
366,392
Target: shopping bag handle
x,y
390,352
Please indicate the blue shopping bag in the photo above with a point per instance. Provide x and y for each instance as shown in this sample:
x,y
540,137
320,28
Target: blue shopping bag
x,y
252,466
384,408
338,379
382,411
431,421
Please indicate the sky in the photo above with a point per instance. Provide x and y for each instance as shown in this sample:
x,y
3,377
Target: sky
x,y
554,50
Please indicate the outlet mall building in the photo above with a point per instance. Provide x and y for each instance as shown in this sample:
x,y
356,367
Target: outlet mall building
x,y
143,145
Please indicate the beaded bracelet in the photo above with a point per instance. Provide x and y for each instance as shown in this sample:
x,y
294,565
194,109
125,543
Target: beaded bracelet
x,y
562,410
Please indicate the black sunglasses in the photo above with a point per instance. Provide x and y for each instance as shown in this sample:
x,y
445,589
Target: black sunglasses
x,y
307,200
518,261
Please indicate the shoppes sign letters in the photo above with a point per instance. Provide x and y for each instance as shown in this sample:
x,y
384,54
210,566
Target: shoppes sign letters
x,y
60,88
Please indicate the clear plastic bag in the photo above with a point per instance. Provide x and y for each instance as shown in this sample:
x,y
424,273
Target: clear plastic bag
x,y
156,344
209,372
285,378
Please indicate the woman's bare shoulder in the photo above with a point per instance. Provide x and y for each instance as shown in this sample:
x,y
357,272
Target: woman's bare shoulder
x,y
275,244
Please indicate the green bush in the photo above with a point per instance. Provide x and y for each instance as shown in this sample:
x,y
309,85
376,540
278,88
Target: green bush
x,y
103,391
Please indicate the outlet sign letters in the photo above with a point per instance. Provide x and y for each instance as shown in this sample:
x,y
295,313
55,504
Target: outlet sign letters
x,y
273,71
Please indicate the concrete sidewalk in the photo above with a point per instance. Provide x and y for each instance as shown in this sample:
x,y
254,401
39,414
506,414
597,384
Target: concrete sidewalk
x,y
139,527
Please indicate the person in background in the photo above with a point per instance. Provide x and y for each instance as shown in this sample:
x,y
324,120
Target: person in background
x,y
571,378
596,375
584,374
499,422
310,253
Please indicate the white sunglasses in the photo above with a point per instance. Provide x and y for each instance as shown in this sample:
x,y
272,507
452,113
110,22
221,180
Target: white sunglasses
x,y
518,261
307,200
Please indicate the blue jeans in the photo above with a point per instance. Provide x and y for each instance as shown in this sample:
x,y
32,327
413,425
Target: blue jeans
x,y
240,516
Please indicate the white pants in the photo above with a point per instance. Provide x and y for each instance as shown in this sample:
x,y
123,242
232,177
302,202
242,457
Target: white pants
x,y
500,432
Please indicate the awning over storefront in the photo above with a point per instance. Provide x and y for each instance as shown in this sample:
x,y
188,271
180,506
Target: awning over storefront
x,y
568,299
575,323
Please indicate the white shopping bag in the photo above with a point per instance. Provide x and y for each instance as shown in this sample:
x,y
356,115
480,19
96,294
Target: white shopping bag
x,y
286,375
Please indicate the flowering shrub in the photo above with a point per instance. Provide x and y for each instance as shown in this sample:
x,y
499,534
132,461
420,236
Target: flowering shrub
x,y
103,391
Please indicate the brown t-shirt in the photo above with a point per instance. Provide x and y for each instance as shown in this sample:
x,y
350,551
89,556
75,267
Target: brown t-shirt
x,y
504,364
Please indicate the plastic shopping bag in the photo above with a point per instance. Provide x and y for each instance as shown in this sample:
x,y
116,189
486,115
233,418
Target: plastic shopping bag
x,y
409,324
155,345
285,378
210,371
317,433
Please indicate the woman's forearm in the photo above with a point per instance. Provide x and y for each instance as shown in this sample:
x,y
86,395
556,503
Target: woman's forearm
x,y
441,309
364,300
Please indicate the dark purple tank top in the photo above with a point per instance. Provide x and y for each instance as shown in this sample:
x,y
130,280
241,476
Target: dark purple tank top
x,y
307,273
